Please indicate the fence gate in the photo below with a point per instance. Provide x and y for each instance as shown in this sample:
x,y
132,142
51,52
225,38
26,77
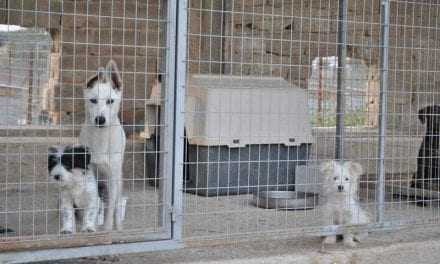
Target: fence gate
x,y
275,88
49,49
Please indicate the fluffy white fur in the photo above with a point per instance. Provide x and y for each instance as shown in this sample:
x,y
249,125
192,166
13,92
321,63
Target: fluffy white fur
x,y
106,140
339,198
78,191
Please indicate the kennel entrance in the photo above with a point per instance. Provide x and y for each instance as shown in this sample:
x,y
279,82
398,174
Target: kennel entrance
x,y
49,75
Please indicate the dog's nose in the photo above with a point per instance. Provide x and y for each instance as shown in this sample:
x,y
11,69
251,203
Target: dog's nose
x,y
340,188
100,120
57,177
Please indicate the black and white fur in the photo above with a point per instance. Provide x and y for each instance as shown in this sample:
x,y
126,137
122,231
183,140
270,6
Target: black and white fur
x,y
428,170
102,132
80,193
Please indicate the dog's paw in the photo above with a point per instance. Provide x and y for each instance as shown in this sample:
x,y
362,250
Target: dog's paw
x,y
88,229
360,237
329,240
349,243
66,231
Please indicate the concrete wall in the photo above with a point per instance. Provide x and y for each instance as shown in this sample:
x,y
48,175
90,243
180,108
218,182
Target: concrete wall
x,y
362,146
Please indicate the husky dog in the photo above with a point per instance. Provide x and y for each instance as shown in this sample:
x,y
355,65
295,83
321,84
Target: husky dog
x,y
70,167
340,199
102,132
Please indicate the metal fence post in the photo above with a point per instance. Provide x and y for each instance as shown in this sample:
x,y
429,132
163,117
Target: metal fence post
x,y
340,103
179,54
168,110
384,43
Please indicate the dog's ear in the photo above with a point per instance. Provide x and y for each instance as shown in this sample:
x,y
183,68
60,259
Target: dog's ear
x,y
85,156
354,168
100,76
421,115
113,74
79,156
326,168
91,82
427,112
52,159
52,150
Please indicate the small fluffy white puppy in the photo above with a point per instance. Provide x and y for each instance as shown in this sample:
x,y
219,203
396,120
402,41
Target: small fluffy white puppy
x,y
339,198
80,191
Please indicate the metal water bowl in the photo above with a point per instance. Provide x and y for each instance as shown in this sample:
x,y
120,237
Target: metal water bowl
x,y
285,200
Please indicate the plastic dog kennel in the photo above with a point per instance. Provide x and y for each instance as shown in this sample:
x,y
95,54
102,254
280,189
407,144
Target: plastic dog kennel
x,y
244,134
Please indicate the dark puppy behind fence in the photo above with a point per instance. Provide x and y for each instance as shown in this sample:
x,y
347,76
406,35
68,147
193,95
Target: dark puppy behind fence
x,y
428,170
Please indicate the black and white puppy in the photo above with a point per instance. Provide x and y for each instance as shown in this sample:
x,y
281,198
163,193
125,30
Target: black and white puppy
x,y
428,159
80,193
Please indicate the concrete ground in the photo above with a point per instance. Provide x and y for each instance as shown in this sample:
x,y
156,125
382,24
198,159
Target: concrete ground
x,y
33,212
29,198
417,245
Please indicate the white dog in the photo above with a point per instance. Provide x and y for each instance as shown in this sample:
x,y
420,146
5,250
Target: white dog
x,y
339,198
104,135
70,167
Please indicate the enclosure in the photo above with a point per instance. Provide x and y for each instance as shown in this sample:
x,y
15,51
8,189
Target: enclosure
x,y
222,102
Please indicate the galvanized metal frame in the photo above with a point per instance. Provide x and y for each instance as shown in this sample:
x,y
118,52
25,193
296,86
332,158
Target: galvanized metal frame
x,y
174,83
342,54
78,252
384,44
248,34
340,94
384,65
179,73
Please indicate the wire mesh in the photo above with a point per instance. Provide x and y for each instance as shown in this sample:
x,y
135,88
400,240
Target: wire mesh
x,y
48,51
259,115
247,141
